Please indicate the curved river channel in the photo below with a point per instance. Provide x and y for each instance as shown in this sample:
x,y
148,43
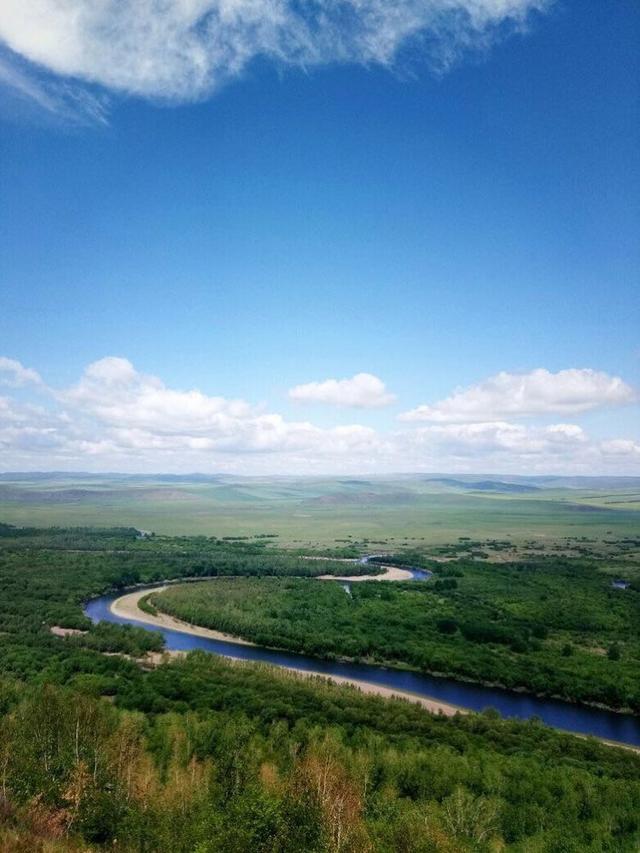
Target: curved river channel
x,y
579,719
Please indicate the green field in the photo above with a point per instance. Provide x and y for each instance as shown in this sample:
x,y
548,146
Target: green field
x,y
323,512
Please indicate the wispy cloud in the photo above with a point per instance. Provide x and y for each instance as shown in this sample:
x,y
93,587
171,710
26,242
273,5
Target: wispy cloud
x,y
184,49
362,391
567,392
61,98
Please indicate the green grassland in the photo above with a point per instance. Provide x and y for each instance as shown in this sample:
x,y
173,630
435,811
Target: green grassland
x,y
320,512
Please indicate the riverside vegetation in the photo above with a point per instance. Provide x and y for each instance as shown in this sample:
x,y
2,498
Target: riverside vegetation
x,y
553,626
201,754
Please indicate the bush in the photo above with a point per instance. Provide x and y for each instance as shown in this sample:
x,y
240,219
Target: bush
x,y
447,626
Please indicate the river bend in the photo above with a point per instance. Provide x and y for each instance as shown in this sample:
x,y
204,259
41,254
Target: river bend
x,y
578,719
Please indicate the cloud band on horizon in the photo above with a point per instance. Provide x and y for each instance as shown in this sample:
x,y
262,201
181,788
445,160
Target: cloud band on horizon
x,y
117,418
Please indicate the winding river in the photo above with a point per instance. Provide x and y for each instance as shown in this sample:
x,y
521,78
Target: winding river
x,y
578,719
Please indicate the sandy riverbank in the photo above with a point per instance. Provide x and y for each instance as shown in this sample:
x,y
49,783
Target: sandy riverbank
x,y
391,573
435,706
127,607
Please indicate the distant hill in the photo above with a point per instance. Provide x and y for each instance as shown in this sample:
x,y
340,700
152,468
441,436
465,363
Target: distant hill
x,y
486,485
363,497
479,482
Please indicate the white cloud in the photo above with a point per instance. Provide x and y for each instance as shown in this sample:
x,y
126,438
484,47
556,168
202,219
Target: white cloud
x,y
116,418
622,447
501,448
112,390
137,412
69,101
362,391
14,374
539,392
183,49
499,437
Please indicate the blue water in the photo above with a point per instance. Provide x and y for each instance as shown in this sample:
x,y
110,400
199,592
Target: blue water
x,y
420,574
553,712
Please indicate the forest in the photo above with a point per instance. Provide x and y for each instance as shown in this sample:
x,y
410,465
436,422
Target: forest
x,y
202,754
554,626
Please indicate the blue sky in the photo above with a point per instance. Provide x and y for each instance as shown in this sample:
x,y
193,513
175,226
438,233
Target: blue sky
x,y
428,215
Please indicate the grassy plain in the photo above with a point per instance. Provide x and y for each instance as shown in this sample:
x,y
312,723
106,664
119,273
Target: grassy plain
x,y
324,512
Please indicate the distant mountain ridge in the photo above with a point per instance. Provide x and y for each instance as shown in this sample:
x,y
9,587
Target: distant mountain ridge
x,y
486,485
478,482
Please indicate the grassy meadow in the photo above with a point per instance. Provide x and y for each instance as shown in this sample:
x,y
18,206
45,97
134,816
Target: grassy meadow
x,y
324,512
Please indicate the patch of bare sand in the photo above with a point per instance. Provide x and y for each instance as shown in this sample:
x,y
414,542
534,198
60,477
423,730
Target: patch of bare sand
x,y
391,573
127,607
57,631
435,706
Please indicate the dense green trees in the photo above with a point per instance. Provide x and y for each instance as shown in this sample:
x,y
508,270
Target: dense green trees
x,y
45,575
554,627
238,758
203,755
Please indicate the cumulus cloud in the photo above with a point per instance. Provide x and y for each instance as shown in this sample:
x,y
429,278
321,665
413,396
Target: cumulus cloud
x,y
116,393
183,49
116,417
623,447
502,447
14,374
137,411
500,437
539,392
30,431
362,391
